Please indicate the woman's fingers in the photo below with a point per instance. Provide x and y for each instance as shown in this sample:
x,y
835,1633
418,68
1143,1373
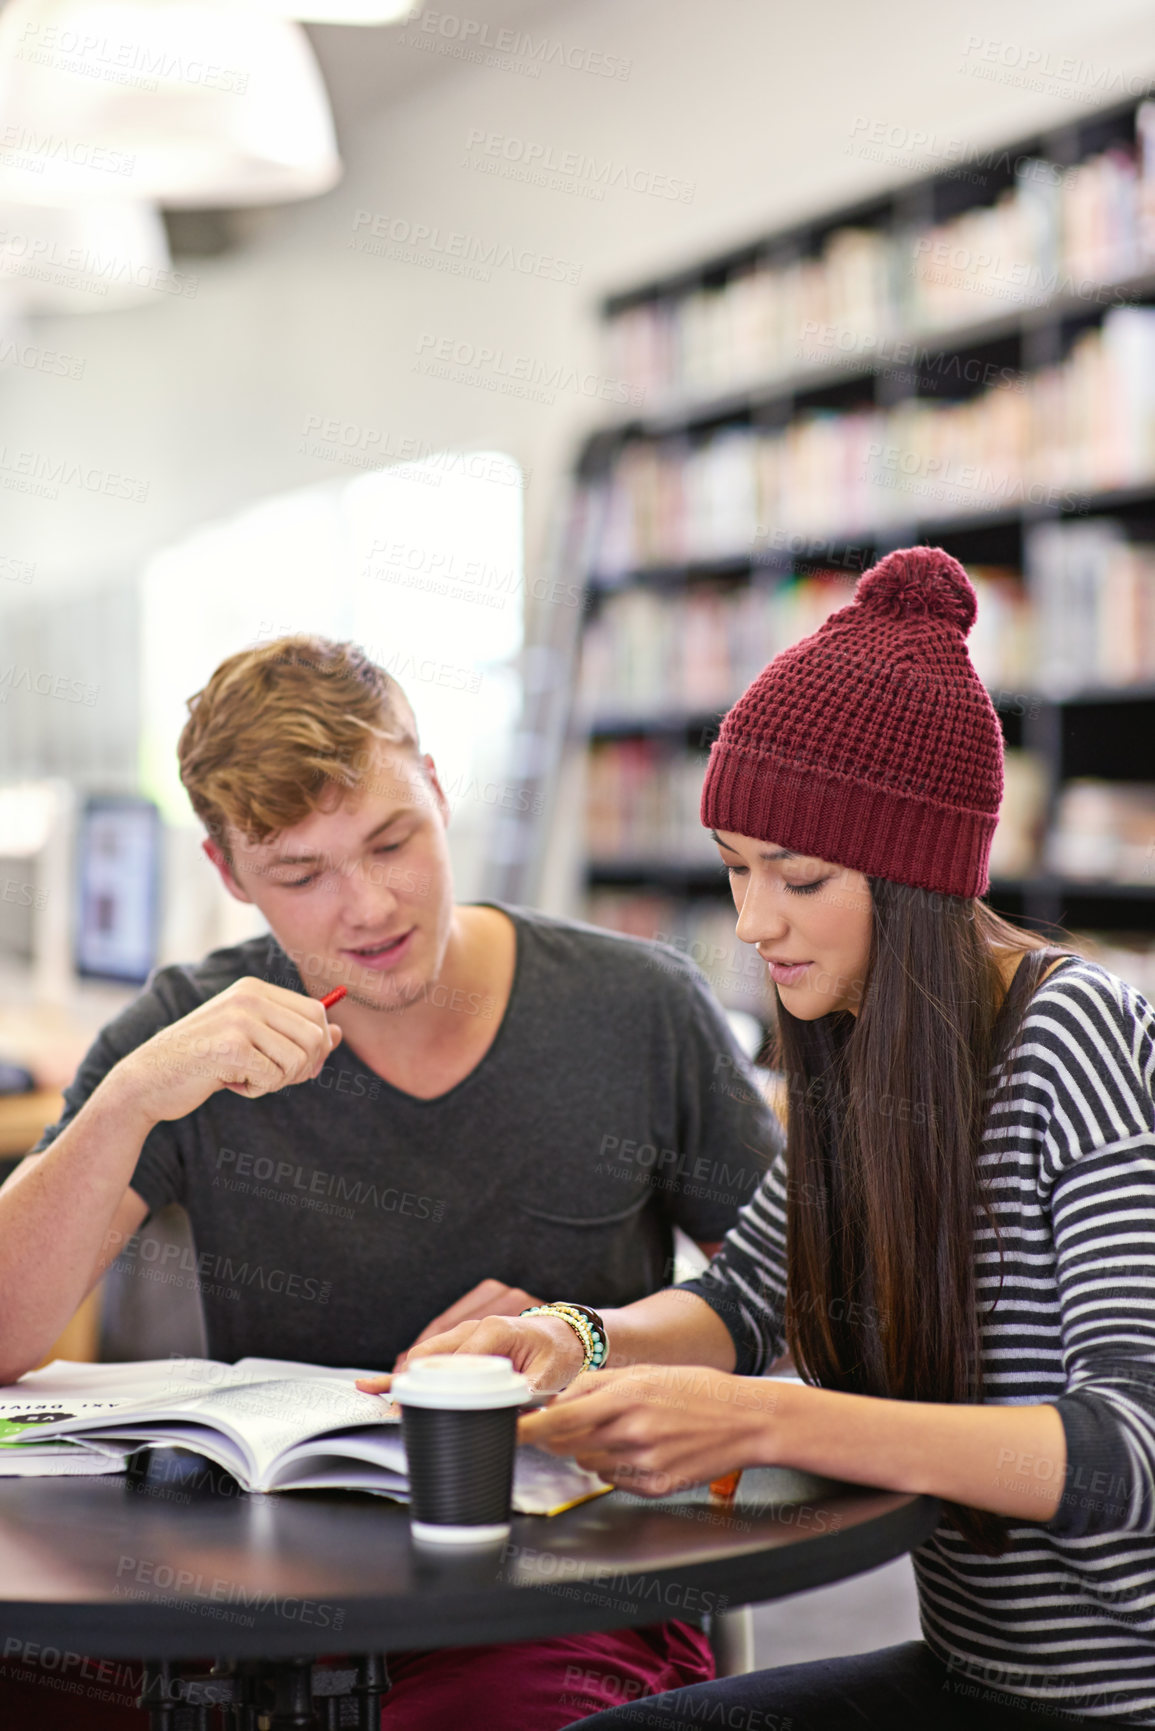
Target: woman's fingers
x,y
545,1357
629,1474
567,1423
374,1384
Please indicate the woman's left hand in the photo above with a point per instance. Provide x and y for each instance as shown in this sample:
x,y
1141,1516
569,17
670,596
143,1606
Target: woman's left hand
x,y
656,1428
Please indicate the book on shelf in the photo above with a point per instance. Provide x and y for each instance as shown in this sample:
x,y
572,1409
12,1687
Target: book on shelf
x,y
1059,232
650,653
1082,615
273,1424
1093,594
643,812
1046,438
1018,838
643,802
1104,831
701,929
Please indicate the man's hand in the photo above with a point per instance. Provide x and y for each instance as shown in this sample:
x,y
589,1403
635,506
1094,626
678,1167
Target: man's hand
x,y
544,1348
487,1298
253,1038
656,1428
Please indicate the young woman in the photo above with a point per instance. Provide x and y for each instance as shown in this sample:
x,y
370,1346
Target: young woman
x,y
959,1246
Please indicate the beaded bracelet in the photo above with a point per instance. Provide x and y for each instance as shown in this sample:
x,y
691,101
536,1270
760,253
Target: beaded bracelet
x,y
577,1322
596,1324
586,1324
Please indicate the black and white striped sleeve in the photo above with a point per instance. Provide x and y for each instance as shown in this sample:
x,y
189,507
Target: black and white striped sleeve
x,y
1092,1048
746,1282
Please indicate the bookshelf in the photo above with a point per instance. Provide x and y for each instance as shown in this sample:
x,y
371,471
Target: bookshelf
x,y
967,361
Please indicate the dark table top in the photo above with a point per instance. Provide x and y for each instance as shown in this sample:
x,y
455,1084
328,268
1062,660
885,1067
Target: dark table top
x,y
180,1564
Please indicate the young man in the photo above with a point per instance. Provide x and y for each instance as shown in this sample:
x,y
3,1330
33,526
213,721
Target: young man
x,y
503,1102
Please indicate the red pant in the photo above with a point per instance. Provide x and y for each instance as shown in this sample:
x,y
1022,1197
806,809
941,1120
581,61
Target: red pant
x,y
519,1686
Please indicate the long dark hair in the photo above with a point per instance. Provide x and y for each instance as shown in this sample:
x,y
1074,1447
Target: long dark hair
x,y
886,1112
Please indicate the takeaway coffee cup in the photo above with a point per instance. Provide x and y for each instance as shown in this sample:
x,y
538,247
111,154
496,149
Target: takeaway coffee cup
x,y
459,1425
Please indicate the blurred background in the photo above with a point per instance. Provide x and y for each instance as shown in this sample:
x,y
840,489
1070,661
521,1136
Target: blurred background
x,y
574,359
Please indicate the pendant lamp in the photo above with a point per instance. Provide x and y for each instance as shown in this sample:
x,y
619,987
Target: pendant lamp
x,y
183,103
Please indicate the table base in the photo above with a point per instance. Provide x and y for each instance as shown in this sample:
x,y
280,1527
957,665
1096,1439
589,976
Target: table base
x,y
282,1694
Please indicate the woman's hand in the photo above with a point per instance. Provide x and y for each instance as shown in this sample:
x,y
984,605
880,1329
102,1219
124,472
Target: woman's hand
x,y
487,1298
657,1428
544,1348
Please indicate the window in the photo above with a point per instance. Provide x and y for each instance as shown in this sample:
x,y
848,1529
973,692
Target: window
x,y
420,564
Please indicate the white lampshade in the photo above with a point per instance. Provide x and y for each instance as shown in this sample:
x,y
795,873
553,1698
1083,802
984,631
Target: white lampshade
x,y
185,103
86,258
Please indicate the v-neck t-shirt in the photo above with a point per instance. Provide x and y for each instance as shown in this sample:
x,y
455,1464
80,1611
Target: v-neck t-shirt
x,y
336,1218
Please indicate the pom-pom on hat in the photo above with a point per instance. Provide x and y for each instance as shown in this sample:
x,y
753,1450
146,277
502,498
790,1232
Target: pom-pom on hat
x,y
872,743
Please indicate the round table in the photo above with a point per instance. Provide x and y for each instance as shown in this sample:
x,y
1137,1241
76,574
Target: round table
x,y
174,1564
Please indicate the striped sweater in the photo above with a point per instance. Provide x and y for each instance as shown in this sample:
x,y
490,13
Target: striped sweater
x,y
1067,1615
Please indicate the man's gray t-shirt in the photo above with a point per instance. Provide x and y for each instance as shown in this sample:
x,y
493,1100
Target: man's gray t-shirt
x,y
333,1220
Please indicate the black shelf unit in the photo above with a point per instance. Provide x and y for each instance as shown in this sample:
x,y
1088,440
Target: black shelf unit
x,y
928,198
853,554
1077,733
1023,328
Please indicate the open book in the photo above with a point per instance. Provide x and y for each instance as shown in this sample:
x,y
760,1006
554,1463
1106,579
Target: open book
x,y
273,1424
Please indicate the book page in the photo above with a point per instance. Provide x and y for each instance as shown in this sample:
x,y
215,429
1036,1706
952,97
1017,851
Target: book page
x,y
267,1428
68,1390
379,1447
270,1418
545,1484
261,1420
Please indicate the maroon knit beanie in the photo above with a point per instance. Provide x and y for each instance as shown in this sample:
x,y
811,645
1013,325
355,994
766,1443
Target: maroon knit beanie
x,y
872,743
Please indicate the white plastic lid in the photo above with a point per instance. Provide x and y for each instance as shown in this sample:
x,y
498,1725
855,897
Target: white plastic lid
x,y
461,1382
